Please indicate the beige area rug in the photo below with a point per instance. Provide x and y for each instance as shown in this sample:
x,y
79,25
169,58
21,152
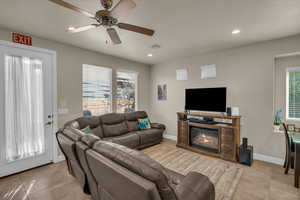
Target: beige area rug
x,y
225,175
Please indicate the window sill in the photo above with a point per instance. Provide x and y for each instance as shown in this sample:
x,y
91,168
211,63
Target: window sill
x,y
293,119
278,132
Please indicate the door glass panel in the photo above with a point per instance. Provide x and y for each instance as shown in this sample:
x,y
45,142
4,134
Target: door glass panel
x,y
126,91
24,108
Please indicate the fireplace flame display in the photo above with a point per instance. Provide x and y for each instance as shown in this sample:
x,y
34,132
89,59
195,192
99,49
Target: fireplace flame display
x,y
205,138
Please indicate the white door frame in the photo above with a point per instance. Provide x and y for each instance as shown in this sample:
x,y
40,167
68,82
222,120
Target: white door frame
x,y
56,157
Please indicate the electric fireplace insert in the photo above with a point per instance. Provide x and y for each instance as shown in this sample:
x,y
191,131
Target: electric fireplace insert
x,y
205,138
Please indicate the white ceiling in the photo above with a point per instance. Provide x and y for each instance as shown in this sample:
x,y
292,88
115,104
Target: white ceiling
x,y
183,27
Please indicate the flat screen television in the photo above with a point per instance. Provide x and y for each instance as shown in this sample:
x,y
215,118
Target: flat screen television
x,y
206,99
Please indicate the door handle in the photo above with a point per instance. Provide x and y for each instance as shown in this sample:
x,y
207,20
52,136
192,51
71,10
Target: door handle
x,y
49,123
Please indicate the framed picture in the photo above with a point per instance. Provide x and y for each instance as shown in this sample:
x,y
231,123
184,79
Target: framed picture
x,y
162,92
291,127
297,130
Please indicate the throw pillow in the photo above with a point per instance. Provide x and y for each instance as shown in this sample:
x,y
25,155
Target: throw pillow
x,y
144,123
87,130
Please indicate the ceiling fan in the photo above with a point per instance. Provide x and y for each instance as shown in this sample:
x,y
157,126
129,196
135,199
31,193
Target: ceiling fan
x,y
107,18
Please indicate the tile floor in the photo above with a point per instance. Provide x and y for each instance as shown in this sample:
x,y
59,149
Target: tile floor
x,y
262,181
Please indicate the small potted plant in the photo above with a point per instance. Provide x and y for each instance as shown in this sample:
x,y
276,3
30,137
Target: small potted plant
x,y
277,120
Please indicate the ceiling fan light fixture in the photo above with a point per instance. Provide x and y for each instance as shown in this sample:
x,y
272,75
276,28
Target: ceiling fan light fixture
x,y
236,31
107,18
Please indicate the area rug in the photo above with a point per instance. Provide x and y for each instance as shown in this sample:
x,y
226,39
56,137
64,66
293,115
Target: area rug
x,y
225,175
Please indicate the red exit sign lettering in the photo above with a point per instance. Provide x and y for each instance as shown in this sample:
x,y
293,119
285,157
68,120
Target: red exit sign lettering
x,y
21,39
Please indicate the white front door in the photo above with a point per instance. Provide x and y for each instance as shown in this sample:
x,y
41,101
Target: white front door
x,y
26,109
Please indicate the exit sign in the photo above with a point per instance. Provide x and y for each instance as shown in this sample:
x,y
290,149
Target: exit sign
x,y
21,39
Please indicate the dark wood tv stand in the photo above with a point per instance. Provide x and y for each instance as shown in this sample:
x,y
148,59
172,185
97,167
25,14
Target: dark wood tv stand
x,y
226,142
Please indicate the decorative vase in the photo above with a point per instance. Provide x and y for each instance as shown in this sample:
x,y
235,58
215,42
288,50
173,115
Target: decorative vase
x,y
276,128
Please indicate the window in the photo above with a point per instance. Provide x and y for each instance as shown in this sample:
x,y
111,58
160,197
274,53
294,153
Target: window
x,y
293,93
97,90
126,91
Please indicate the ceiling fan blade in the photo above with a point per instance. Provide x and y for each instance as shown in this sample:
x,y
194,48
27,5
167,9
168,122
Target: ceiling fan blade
x,y
114,36
80,29
122,8
72,7
136,29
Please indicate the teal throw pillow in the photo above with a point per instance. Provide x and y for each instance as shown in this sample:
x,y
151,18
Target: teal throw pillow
x,y
87,130
144,123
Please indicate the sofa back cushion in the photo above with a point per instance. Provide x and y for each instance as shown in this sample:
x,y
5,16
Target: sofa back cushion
x,y
118,183
114,124
138,163
132,119
93,122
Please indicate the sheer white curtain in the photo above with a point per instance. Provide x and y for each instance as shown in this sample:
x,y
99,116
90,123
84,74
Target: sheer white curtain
x,y
24,109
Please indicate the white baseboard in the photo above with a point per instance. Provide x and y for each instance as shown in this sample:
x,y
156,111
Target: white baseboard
x,y
59,159
256,156
269,159
170,137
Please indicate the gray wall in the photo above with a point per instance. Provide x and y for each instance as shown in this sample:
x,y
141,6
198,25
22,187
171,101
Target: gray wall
x,y
247,72
69,73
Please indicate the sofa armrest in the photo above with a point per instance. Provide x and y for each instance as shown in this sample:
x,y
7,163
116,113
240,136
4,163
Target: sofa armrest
x,y
195,186
158,126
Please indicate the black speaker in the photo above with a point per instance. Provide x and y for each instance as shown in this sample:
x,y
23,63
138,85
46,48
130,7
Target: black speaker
x,y
228,111
246,153
245,143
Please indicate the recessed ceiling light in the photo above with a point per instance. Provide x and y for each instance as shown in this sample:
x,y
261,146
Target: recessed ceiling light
x,y
236,31
150,55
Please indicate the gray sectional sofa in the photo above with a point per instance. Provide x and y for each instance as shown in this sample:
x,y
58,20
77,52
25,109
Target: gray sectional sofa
x,y
121,129
107,166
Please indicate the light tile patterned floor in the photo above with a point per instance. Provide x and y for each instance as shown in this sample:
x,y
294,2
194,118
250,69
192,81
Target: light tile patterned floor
x,y
262,181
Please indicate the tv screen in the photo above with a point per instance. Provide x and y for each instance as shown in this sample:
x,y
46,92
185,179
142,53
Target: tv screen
x,y
206,99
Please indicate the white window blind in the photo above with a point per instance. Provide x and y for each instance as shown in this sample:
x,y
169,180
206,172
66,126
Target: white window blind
x,y
97,90
293,93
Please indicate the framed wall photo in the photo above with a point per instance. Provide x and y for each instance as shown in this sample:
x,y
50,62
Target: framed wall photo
x,y
162,92
291,127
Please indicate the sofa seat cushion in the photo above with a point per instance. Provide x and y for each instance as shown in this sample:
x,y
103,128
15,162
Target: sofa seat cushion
x,y
150,135
130,140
